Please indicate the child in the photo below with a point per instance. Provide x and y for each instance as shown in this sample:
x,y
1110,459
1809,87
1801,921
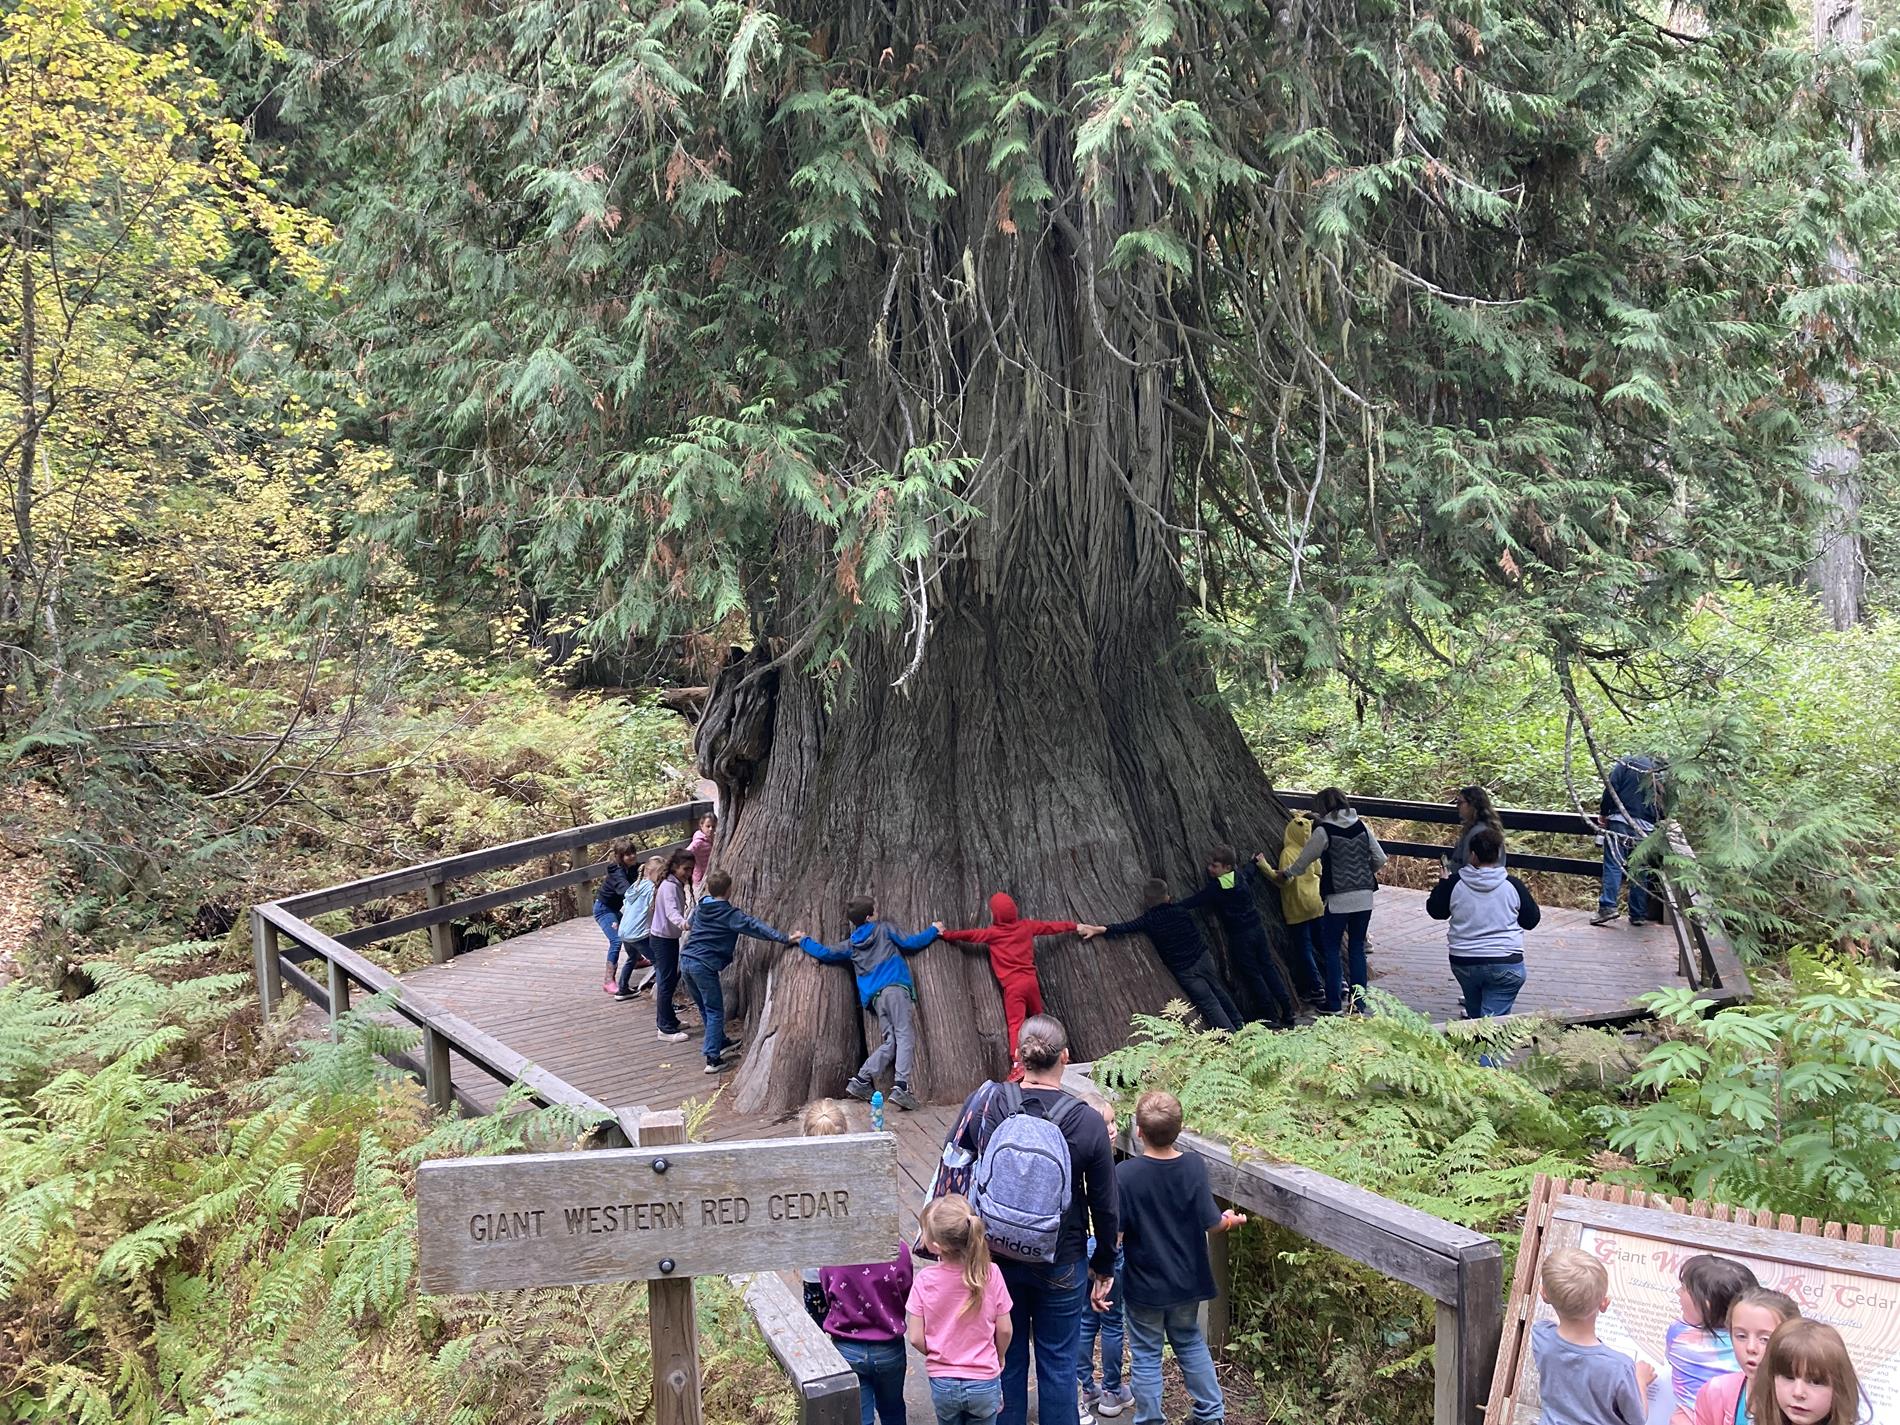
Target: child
x,y
1177,940
709,948
636,925
1697,1347
1012,947
1488,913
863,1307
1349,857
1580,1380
876,952
1752,1321
701,847
610,898
1806,1378
1167,1210
1230,892
670,921
959,1315
1108,1324
1301,908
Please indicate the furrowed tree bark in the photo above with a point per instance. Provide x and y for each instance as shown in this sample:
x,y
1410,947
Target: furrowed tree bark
x,y
1059,740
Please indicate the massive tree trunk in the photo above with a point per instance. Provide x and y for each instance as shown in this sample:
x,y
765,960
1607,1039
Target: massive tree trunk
x,y
1057,738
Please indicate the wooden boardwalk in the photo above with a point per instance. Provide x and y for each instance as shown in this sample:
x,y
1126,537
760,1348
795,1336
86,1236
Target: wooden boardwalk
x,y
540,994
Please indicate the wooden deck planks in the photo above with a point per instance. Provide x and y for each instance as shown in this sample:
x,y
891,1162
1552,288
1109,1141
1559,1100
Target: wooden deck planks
x,y
540,994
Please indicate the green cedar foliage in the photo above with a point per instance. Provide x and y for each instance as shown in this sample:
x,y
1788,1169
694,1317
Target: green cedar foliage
x,y
1497,317
189,1234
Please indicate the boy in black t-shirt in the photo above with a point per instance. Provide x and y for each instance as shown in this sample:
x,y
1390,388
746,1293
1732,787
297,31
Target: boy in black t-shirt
x,y
1167,1211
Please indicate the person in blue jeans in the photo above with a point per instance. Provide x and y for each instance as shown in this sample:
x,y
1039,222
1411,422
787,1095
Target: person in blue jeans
x,y
1631,805
1349,858
1167,1210
610,899
1488,913
1048,1297
709,948
1114,1395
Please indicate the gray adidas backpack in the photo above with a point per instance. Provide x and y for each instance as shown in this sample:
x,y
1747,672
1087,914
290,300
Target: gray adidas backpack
x,y
1021,1187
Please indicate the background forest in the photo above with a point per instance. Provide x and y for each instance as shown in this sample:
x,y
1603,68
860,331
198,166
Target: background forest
x,y
399,396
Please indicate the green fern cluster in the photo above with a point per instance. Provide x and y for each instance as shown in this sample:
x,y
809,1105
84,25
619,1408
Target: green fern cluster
x,y
190,1235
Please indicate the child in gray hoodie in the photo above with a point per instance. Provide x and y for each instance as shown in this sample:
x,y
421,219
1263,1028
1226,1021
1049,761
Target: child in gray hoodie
x,y
1488,913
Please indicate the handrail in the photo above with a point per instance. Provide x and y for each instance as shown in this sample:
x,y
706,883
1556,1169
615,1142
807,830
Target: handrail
x,y
1461,1270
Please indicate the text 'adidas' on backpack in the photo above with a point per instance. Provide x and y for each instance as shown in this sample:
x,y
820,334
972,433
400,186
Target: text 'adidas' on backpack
x,y
1021,1186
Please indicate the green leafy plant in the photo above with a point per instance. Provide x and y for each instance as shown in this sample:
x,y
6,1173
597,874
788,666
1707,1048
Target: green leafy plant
x,y
1791,1103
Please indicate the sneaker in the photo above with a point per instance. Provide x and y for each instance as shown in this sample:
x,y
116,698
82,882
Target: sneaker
x,y
1111,1403
610,985
1604,917
903,1098
859,1089
625,995
679,1037
1086,1407
715,1067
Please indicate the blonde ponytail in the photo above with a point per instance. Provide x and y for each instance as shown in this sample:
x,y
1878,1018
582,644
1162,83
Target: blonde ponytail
x,y
957,1234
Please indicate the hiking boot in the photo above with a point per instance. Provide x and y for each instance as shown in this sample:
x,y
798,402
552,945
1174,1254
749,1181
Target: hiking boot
x,y
903,1098
859,1089
1111,1403
677,1037
1604,917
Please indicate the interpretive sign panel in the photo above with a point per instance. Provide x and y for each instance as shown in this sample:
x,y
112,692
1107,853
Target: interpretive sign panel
x,y
631,1214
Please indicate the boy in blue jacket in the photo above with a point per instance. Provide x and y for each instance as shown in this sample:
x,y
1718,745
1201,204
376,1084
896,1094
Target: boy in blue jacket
x,y
876,953
710,944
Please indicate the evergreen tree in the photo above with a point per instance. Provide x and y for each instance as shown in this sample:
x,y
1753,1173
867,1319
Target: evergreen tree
x,y
955,352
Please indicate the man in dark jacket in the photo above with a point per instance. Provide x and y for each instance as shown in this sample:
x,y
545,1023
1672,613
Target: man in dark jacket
x,y
1178,941
1631,805
1229,892
709,948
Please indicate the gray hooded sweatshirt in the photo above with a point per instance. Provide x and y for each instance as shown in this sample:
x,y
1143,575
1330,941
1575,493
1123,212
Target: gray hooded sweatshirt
x,y
1489,912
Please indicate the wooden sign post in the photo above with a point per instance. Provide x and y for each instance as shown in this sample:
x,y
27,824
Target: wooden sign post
x,y
665,1212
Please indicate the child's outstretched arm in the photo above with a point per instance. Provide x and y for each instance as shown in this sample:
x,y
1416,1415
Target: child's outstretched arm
x,y
911,944
981,935
1050,927
824,954
759,930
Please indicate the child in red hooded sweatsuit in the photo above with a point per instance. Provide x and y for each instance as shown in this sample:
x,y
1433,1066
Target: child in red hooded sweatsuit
x,y
1012,947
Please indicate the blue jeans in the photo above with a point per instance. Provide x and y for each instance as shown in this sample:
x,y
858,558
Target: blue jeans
x,y
1352,928
966,1402
702,982
1048,1311
1490,987
636,951
609,923
1616,857
880,1369
1106,1324
1180,1327
1302,960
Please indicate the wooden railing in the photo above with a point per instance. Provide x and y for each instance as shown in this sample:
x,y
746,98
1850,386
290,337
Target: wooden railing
x,y
1704,958
1461,1270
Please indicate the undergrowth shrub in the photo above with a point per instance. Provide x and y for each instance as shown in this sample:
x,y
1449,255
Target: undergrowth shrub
x,y
1790,1103
192,1232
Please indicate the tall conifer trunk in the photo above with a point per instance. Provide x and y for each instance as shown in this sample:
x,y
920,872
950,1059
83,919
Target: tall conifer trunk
x,y
1059,739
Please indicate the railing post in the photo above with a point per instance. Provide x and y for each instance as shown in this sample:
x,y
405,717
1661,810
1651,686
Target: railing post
x,y
1467,1338
339,993
435,1070
671,1326
1217,1316
270,973
441,937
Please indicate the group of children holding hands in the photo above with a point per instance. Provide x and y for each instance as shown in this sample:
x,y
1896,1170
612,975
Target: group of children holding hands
x,y
1739,1355
956,1309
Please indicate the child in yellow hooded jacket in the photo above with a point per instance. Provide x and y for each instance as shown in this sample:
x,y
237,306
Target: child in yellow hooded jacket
x,y
1301,906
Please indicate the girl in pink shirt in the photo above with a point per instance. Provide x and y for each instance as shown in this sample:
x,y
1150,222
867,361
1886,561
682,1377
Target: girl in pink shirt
x,y
1752,1320
701,847
959,1315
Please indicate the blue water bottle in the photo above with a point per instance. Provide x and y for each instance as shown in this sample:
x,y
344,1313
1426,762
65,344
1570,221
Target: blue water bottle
x,y
877,1111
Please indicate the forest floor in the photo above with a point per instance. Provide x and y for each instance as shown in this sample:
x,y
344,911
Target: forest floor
x,y
24,876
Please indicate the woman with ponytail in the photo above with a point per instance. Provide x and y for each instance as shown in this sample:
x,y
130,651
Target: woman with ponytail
x,y
959,1315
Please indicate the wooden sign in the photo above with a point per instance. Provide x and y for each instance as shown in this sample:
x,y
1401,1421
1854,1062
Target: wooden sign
x,y
656,1213
1843,1275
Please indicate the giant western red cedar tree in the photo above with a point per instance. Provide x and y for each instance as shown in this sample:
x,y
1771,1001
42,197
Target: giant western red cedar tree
x,y
989,371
